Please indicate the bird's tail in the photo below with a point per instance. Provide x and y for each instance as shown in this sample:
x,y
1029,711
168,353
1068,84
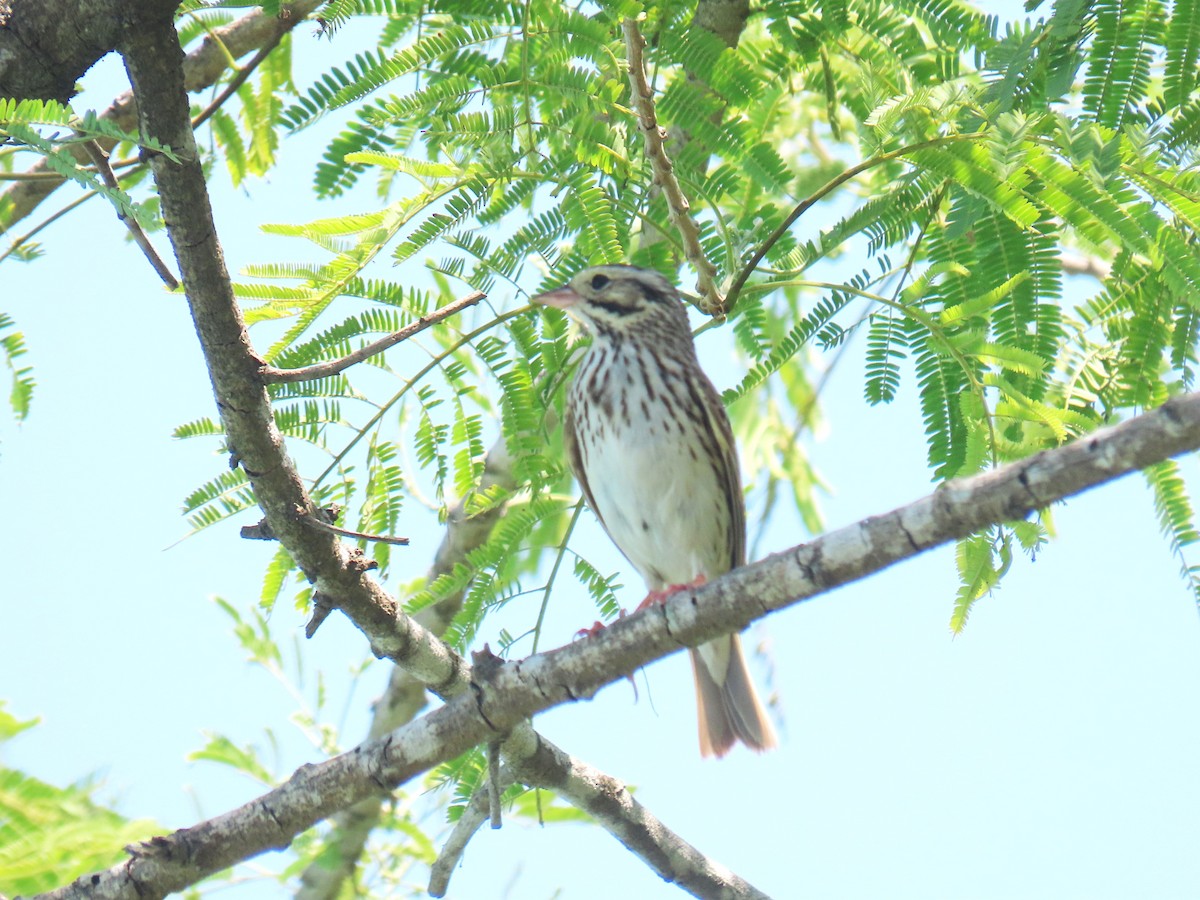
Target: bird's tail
x,y
728,707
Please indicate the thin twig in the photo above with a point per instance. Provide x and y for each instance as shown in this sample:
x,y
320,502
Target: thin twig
x,y
833,184
474,814
271,375
100,161
238,80
678,207
27,236
357,535
494,783
322,521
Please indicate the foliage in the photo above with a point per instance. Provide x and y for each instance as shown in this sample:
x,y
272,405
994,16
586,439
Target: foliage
x,y
911,175
24,124
12,344
49,835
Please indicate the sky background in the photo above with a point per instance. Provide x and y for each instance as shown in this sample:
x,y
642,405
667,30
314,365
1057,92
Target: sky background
x,y
1046,752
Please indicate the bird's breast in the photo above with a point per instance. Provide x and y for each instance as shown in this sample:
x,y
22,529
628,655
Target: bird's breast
x,y
655,489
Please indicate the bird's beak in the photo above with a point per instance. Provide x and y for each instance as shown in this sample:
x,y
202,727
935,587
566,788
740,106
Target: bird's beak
x,y
563,297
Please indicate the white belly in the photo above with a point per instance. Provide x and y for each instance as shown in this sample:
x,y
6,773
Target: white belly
x,y
665,510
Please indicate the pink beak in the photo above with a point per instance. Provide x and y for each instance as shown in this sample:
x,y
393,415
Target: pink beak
x,y
562,298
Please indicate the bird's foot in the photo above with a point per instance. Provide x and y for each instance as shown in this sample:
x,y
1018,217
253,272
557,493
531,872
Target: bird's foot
x,y
596,628
658,598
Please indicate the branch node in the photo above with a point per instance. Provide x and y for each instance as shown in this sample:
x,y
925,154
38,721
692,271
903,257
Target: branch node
x,y
358,563
484,665
260,531
323,605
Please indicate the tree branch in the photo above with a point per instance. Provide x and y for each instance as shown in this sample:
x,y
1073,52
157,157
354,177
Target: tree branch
x,y
607,800
518,690
611,804
358,535
405,696
246,414
473,815
100,161
678,206
1081,264
234,369
271,375
743,275
45,46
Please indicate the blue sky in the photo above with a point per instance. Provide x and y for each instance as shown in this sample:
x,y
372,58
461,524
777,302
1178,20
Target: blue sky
x,y
1046,752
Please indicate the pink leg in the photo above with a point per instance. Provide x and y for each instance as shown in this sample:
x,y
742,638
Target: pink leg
x,y
657,598
596,628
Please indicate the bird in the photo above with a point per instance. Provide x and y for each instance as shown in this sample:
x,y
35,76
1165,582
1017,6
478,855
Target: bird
x,y
650,443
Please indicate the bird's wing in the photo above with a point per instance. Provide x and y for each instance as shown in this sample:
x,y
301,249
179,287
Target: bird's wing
x,y
575,458
728,471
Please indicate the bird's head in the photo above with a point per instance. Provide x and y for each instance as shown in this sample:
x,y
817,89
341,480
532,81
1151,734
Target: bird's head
x,y
619,300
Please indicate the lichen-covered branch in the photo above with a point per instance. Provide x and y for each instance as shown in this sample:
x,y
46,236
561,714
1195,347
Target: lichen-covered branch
x,y
534,761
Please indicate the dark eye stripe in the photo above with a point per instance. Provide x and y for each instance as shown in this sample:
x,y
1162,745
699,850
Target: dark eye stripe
x,y
653,294
615,308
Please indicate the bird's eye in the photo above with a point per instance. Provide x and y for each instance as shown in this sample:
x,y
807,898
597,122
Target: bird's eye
x,y
599,282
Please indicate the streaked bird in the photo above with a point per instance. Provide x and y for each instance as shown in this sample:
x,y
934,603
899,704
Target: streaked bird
x,y
650,443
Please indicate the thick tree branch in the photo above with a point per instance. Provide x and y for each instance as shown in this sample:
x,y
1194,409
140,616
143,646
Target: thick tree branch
x,y
234,370
518,690
405,696
45,45
724,18
1080,264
